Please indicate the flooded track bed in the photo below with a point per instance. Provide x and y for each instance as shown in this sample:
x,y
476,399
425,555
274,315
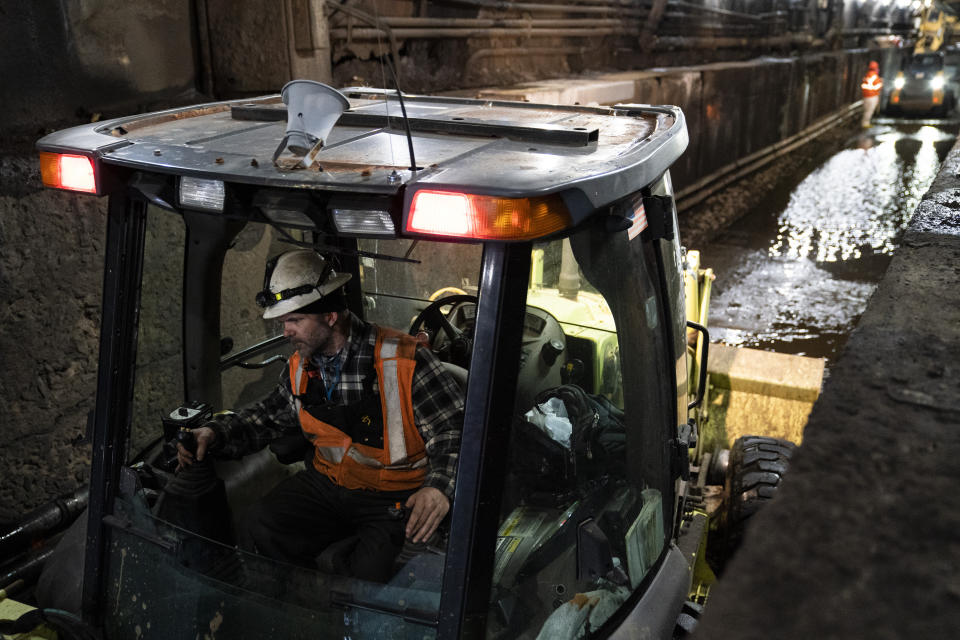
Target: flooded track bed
x,y
796,271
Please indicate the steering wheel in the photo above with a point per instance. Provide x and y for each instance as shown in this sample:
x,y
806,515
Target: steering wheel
x,y
432,319
448,290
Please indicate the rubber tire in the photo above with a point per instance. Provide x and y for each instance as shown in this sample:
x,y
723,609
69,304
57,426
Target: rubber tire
x,y
757,465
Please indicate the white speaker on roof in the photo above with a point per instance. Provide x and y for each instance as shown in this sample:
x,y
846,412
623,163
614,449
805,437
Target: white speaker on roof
x,y
312,110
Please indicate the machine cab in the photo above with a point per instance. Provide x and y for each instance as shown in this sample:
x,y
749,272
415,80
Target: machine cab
x,y
922,86
535,247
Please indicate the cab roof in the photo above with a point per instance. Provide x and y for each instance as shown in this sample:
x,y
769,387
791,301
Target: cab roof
x,y
498,148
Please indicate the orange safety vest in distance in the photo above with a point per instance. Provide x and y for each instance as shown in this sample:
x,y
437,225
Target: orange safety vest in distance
x,y
402,462
871,85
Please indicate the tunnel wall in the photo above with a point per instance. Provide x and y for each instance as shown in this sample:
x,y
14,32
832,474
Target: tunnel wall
x,y
736,109
65,61
52,244
732,109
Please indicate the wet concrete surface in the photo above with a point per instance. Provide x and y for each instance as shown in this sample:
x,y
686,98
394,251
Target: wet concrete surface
x,y
795,273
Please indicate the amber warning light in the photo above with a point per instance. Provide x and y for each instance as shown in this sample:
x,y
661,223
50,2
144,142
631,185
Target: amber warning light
x,y
68,171
466,215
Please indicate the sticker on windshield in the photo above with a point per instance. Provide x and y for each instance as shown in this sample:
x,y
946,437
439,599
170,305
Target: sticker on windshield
x,y
638,220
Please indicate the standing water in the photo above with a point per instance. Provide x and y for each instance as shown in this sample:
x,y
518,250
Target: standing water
x,y
795,274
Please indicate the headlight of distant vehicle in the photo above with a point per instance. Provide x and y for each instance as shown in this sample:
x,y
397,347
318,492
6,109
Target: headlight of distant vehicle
x,y
898,82
937,82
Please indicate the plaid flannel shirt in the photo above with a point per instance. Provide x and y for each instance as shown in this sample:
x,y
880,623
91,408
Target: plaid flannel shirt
x,y
437,407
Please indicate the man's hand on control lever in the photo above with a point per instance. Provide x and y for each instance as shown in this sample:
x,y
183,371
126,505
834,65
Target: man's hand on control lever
x,y
427,507
204,436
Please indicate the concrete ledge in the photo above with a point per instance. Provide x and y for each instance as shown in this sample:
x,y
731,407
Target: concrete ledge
x,y
759,392
764,372
861,541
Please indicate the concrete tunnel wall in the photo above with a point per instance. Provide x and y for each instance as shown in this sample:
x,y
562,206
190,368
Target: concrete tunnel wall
x,y
732,109
738,108
51,265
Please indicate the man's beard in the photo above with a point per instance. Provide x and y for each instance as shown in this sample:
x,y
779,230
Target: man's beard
x,y
305,350
302,348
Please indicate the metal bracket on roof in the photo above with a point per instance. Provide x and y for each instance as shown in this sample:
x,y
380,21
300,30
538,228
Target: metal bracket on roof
x,y
542,133
659,210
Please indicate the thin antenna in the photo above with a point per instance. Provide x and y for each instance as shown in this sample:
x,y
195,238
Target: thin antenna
x,y
403,110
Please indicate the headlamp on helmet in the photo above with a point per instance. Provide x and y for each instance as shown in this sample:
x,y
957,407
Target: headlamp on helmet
x,y
296,279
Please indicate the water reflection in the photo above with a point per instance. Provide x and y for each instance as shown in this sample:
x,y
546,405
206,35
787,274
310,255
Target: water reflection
x,y
862,198
795,279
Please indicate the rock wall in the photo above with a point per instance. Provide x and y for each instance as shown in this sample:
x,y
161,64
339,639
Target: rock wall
x,y
51,264
64,63
75,58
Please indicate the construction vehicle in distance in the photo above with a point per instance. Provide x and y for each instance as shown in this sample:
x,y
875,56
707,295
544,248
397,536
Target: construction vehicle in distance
x,y
923,85
934,29
536,245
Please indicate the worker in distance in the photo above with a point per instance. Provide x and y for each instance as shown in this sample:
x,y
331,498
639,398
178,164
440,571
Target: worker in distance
x,y
870,87
383,415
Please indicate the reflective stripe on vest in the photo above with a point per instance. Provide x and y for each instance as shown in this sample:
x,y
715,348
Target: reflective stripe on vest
x,y
392,411
298,376
871,85
373,462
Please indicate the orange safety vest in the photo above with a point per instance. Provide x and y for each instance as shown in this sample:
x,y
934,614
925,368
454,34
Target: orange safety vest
x,y
402,462
871,85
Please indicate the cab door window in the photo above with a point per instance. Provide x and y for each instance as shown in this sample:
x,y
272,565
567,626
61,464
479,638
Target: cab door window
x,y
584,518
158,384
241,322
400,278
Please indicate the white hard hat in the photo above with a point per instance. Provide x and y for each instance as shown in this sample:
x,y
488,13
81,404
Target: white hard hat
x,y
295,279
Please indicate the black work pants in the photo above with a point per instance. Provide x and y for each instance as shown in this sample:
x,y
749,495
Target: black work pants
x,y
307,512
